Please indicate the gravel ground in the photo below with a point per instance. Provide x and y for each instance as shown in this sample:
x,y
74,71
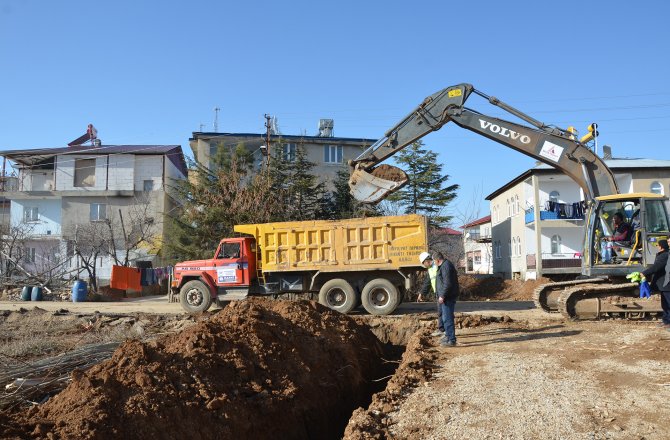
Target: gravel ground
x,y
593,380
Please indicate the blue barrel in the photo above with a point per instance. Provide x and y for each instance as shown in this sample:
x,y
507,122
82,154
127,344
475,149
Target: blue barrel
x,y
36,294
26,292
79,291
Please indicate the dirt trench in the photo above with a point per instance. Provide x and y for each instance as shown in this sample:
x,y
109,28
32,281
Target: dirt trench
x,y
256,369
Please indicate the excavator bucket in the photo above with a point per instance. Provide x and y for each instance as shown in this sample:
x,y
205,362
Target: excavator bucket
x,y
373,186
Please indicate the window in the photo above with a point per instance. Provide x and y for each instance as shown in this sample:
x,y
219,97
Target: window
x,y
554,196
84,173
288,151
98,212
30,214
332,153
30,255
518,205
148,185
556,244
656,187
656,221
478,257
518,245
514,246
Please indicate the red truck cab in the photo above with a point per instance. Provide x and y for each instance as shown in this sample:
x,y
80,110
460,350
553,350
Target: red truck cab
x,y
228,275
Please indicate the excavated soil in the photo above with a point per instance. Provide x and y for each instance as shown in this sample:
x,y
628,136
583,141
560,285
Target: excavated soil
x,y
257,369
389,172
482,288
278,369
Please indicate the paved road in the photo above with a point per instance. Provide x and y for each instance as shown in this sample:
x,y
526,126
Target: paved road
x,y
159,304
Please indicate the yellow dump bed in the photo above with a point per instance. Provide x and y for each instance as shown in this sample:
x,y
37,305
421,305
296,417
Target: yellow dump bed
x,y
374,243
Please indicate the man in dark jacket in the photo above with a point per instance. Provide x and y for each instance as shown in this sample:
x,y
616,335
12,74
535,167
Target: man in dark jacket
x,y
661,279
447,291
655,273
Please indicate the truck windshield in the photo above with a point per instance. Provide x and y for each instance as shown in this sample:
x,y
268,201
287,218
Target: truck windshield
x,y
229,250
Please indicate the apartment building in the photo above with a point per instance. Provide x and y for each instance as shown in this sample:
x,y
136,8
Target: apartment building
x,y
60,195
519,237
327,152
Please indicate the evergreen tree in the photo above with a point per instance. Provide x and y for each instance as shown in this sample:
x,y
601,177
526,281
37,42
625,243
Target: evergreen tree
x,y
302,192
306,191
425,192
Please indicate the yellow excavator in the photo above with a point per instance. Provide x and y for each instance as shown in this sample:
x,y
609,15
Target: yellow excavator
x,y
602,290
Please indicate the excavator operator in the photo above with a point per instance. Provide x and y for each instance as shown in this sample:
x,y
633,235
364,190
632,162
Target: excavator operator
x,y
622,231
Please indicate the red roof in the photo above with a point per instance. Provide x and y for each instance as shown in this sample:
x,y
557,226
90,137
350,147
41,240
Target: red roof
x,y
477,222
449,231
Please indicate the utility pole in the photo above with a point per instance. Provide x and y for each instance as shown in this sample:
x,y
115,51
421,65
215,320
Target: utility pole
x,y
267,139
216,119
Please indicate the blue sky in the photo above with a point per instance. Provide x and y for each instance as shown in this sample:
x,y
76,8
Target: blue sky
x,y
151,72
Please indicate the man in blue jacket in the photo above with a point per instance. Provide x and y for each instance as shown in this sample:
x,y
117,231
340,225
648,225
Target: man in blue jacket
x,y
447,291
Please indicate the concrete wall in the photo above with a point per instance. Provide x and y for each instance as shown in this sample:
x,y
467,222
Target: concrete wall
x,y
49,215
121,172
76,210
644,179
148,168
65,168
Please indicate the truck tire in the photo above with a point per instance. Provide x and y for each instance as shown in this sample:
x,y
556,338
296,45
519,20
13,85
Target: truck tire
x,y
338,295
195,296
380,297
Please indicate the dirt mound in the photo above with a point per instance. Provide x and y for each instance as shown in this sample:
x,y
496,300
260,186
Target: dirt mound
x,y
478,288
469,321
257,369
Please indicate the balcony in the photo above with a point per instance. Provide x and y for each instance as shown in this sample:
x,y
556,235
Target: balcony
x,y
555,261
478,237
551,215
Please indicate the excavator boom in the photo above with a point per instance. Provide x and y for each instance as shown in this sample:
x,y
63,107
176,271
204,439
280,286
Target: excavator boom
x,y
551,145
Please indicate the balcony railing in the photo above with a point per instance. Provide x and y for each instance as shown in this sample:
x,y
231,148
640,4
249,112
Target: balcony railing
x,y
478,236
555,261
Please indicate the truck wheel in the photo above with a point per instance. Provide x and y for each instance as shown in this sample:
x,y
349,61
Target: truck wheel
x,y
380,297
195,297
338,295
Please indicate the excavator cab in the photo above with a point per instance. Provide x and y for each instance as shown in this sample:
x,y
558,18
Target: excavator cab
x,y
623,230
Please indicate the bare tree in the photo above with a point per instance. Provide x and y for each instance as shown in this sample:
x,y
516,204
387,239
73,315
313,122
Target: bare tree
x,y
135,232
90,241
13,249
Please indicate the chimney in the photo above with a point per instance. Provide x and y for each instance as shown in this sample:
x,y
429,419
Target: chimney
x,y
326,127
607,152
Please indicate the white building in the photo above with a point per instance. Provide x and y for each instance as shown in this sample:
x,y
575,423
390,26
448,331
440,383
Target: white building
x,y
477,246
517,242
60,192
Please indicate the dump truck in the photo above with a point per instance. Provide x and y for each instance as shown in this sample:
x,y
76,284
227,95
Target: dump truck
x,y
344,263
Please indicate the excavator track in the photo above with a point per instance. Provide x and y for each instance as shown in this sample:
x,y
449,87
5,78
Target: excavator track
x,y
546,296
607,301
